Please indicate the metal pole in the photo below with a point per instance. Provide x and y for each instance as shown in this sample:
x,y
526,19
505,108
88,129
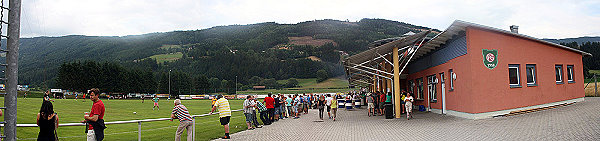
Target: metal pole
x,y
394,99
12,59
169,83
236,85
193,128
595,85
139,130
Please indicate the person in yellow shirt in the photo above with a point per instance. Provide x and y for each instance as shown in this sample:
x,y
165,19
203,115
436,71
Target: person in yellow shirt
x,y
224,113
334,106
213,102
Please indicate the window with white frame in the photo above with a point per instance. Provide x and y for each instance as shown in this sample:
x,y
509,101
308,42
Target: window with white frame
x,y
531,75
570,77
559,74
513,75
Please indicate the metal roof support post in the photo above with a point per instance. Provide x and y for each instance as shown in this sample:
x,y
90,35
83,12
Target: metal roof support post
x,y
12,59
385,82
393,98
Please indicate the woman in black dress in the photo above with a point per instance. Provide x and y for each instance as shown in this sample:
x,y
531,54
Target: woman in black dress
x,y
321,105
47,120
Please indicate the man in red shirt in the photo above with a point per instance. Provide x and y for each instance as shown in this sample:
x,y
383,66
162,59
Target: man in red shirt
x,y
381,102
95,118
270,104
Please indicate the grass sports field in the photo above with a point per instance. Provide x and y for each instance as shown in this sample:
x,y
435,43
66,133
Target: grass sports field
x,y
70,111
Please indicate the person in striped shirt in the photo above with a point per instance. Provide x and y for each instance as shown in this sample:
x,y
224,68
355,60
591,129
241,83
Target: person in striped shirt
x,y
262,109
249,105
224,113
185,120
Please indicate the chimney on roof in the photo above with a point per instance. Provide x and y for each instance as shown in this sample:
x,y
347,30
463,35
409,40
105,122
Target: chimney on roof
x,y
514,29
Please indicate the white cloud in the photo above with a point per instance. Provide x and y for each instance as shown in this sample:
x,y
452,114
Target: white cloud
x,y
542,19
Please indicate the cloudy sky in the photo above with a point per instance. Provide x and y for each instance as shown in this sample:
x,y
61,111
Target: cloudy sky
x,y
541,19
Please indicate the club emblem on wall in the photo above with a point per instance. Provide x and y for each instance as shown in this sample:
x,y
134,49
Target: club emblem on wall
x,y
490,58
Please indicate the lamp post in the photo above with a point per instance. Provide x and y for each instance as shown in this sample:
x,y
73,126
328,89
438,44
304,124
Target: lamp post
x,y
169,84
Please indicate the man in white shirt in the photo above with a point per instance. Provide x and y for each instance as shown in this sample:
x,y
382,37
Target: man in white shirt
x,y
328,103
249,105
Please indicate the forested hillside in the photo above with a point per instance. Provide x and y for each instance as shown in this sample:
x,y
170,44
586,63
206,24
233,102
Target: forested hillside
x,y
590,62
218,53
579,40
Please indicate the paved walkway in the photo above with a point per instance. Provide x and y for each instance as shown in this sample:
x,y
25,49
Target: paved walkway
x,y
579,121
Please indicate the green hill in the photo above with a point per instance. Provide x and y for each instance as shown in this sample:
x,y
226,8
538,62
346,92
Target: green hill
x,y
221,52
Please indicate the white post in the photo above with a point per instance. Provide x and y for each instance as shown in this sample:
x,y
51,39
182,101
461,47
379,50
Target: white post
x,y
193,128
139,130
170,84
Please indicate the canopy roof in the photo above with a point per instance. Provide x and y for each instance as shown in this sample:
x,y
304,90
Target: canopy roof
x,y
361,67
373,54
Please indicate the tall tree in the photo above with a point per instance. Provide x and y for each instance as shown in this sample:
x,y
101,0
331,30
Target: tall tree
x,y
321,75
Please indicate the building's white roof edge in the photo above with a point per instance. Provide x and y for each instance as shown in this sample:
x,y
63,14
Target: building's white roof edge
x,y
518,35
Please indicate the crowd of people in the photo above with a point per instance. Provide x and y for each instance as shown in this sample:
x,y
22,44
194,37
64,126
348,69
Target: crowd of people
x,y
376,103
276,107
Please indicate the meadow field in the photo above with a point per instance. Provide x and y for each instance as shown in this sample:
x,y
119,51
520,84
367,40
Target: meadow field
x,y
161,58
71,111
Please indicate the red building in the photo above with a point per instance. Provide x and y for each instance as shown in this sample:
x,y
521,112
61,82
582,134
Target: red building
x,y
474,71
